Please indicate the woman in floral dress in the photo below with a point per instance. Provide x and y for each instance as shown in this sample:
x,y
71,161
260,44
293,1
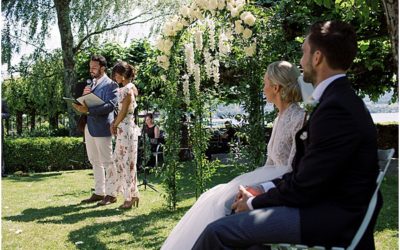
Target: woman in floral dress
x,y
126,132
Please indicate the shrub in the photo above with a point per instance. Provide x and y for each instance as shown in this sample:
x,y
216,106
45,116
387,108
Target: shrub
x,y
43,154
388,135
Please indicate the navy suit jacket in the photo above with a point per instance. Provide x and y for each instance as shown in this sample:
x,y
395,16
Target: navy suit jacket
x,y
334,170
100,117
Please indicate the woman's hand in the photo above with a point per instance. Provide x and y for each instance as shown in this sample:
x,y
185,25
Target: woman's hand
x,y
113,129
240,205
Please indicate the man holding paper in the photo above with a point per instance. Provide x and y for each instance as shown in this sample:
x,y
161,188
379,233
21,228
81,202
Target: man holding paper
x,y
97,131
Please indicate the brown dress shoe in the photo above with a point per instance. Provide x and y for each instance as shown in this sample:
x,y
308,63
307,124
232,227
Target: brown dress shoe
x,y
93,198
107,200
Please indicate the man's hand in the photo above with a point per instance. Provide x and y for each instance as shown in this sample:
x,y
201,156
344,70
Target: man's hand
x,y
87,90
240,205
81,108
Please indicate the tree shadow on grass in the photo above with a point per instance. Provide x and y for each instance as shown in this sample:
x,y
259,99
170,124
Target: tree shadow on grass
x,y
33,177
144,230
63,214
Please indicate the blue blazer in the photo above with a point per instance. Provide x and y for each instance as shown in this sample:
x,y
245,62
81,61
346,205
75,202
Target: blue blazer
x,y
100,117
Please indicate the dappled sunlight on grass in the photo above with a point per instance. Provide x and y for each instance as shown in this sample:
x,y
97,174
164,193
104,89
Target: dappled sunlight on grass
x,y
43,211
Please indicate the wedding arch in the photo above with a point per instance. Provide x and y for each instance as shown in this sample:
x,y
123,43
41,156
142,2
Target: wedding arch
x,y
193,46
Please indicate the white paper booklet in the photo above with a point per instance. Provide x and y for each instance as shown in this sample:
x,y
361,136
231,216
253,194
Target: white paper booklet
x,y
91,100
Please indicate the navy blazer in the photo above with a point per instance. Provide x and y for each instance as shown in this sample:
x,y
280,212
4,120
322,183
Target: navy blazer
x,y
100,117
334,170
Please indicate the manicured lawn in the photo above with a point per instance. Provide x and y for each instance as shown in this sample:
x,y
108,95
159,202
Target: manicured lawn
x,y
43,211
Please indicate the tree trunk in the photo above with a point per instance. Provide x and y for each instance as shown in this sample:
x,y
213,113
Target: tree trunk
x,y
7,126
67,45
19,121
53,121
391,12
33,119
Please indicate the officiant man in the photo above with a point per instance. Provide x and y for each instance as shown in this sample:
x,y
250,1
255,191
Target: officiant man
x,y
324,199
97,132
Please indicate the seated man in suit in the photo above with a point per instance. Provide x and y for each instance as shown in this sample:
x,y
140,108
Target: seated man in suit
x,y
324,199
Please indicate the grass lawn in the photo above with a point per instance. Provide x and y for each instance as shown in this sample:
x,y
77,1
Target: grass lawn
x,y
43,211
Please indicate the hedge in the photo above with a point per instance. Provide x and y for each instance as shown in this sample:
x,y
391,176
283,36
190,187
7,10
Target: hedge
x,y
42,154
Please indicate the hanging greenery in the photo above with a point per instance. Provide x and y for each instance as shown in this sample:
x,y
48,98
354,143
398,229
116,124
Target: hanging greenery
x,y
195,44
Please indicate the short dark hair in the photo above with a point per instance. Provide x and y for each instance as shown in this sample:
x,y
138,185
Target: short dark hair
x,y
336,40
101,59
124,69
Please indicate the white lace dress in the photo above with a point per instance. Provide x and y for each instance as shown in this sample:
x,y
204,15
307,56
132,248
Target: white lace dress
x,y
211,205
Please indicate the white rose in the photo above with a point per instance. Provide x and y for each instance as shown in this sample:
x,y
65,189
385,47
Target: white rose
x,y
243,15
234,12
167,46
163,62
213,4
249,19
221,4
250,51
238,26
160,44
229,6
184,11
247,33
178,26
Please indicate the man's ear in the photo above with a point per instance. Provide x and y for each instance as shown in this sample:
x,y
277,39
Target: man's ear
x,y
317,58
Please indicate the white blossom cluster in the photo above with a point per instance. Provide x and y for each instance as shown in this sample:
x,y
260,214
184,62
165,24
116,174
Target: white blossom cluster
x,y
198,39
211,33
197,77
204,38
189,55
224,46
215,70
207,63
186,91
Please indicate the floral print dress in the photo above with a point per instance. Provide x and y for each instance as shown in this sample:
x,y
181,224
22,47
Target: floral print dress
x,y
126,146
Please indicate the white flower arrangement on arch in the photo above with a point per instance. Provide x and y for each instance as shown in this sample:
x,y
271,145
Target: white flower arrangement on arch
x,y
206,42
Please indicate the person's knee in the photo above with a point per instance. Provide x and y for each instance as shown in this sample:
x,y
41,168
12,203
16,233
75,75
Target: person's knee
x,y
214,228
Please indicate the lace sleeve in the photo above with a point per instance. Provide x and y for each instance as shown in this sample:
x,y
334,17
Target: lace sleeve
x,y
282,146
298,123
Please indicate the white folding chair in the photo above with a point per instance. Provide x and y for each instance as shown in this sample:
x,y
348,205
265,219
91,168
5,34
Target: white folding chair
x,y
384,158
157,153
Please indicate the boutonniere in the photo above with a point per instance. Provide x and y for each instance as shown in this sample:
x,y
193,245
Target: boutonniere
x,y
304,135
310,105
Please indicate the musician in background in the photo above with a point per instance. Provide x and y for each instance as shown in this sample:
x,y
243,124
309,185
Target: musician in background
x,y
152,131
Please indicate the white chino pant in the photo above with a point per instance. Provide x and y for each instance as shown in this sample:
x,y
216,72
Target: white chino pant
x,y
99,151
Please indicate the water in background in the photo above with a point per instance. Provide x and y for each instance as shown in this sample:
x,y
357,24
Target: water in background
x,y
381,111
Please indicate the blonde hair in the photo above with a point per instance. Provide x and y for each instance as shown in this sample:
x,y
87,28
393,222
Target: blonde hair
x,y
285,74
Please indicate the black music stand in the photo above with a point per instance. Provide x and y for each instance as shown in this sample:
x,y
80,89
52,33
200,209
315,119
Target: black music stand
x,y
145,182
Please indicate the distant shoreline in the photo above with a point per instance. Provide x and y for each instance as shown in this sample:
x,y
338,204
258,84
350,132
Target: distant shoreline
x,y
385,117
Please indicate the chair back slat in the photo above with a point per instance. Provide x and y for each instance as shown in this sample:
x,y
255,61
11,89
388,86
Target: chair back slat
x,y
384,158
